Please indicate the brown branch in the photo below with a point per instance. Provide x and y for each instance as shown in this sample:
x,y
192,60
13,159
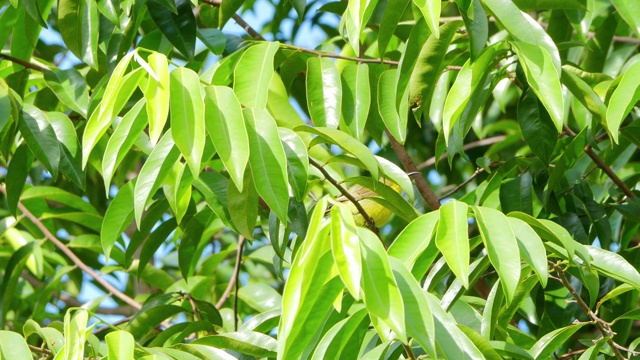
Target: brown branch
x,y
236,274
600,324
457,188
75,259
600,164
24,63
234,277
423,187
471,145
245,25
368,219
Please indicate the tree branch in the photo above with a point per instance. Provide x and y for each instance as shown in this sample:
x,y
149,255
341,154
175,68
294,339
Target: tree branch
x,y
600,324
234,277
600,164
468,180
75,259
368,219
24,63
471,145
423,187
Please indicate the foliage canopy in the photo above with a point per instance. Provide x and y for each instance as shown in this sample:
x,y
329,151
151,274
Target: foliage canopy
x,y
169,189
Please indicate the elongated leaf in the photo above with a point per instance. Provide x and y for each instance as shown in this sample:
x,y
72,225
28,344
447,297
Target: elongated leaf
x,y
584,93
356,98
549,343
430,10
117,218
245,342
538,129
345,247
477,24
452,238
629,10
120,345
268,161
502,247
122,139
70,88
623,99
78,22
253,74
324,92
179,28
74,333
336,339
243,206
349,144
70,158
614,266
17,173
414,239
531,248
187,116
226,127
390,18
156,94
154,170
523,28
543,77
13,346
394,122
297,161
41,138
379,289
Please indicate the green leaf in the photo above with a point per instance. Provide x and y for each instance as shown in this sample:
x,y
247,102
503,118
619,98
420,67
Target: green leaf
x,y
347,143
177,189
179,28
268,160
227,10
345,247
543,77
297,162
395,122
531,248
70,160
13,346
60,196
550,342
623,99
538,129
324,92
227,130
119,89
214,187
477,24
523,28
75,333
356,98
41,138
390,18
117,218
156,94
501,246
245,342
190,248
629,10
70,88
17,173
154,170
120,345
12,273
418,317
253,73
122,139
430,63
214,39
380,291
243,206
515,194
33,10
260,296
430,10
79,27
415,239
344,333
452,238
614,266
584,93
187,116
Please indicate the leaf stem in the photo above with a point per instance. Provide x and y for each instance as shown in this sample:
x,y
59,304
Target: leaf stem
x,y
24,63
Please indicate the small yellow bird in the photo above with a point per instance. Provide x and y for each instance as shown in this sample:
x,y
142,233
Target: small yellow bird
x,y
379,213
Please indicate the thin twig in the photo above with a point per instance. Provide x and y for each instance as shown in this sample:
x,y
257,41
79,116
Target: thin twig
x,y
606,169
600,324
24,63
423,187
245,25
112,326
236,274
471,145
457,188
234,277
409,352
75,259
368,219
